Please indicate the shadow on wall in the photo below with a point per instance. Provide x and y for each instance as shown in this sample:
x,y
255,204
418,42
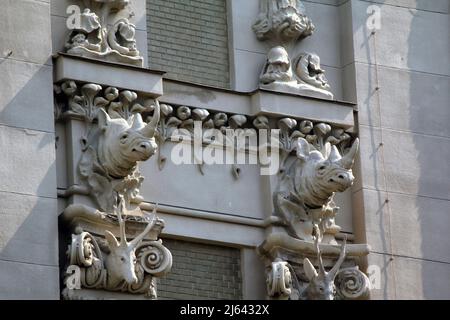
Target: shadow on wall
x,y
371,100
28,210
429,113
414,114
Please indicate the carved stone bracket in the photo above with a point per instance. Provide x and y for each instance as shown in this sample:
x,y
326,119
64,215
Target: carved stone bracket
x,y
291,270
115,140
101,31
306,185
99,261
303,199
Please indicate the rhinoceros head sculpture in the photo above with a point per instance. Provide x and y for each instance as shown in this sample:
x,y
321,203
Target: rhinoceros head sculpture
x,y
123,143
319,175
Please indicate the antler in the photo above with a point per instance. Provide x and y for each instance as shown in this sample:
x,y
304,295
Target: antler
x,y
319,255
148,228
119,210
341,259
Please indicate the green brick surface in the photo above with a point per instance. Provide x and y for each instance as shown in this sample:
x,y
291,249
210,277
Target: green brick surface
x,y
189,40
201,271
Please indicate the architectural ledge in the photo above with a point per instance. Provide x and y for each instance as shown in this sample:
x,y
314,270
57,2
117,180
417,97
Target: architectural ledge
x,y
259,102
71,67
282,241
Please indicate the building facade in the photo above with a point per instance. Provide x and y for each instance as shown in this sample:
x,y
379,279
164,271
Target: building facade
x,y
279,143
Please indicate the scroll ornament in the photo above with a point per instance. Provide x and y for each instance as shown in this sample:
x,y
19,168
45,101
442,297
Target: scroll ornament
x,y
113,265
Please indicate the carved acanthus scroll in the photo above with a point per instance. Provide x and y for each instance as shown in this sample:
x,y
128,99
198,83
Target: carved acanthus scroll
x,y
109,264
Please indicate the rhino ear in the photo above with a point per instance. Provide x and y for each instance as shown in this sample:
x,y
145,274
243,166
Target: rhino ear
x,y
303,149
136,122
310,271
103,119
334,154
112,241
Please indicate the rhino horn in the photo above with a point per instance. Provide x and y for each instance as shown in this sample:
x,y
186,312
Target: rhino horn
x,y
150,129
349,158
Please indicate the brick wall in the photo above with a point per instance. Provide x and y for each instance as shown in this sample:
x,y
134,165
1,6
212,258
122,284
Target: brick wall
x,y
201,271
189,40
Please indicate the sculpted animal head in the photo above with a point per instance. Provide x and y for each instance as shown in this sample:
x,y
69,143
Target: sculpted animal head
x,y
123,143
319,176
121,261
321,284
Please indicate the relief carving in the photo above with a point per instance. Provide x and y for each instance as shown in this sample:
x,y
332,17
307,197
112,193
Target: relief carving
x,y
304,76
119,265
284,282
282,23
101,31
115,141
316,161
304,196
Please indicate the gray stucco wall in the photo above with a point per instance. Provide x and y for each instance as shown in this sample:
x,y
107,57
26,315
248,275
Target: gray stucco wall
x,y
404,188
28,227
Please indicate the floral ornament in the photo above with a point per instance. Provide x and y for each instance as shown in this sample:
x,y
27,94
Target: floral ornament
x,y
288,137
339,138
85,105
220,120
122,108
261,122
184,114
129,187
237,121
91,102
321,130
69,89
306,127
200,114
111,93
165,129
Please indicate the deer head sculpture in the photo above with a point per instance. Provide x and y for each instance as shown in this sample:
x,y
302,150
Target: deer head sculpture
x,y
121,261
321,285
123,143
